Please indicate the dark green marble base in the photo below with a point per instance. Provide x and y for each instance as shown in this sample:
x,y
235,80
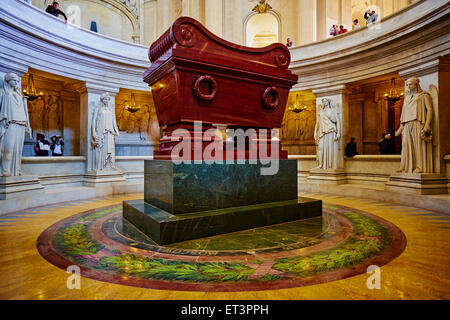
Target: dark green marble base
x,y
187,188
165,228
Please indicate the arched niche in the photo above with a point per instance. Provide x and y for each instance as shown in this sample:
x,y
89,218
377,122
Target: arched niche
x,y
262,29
119,20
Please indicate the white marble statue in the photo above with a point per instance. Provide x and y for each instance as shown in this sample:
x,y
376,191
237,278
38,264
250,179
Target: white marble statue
x,y
104,130
327,134
14,123
415,128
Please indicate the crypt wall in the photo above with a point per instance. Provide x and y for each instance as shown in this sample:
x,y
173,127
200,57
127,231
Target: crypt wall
x,y
115,18
355,81
56,112
304,21
368,111
383,7
368,116
297,130
139,131
412,42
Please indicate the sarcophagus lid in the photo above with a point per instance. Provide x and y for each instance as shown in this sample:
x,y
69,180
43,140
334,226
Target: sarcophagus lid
x,y
197,76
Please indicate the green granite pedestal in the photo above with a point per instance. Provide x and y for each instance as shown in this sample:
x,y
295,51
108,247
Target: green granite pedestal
x,y
190,201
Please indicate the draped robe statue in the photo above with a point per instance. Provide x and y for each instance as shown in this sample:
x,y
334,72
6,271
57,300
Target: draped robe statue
x,y
415,128
104,130
14,123
327,134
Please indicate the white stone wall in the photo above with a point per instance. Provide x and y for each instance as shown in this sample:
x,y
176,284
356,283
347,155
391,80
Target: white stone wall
x,y
407,43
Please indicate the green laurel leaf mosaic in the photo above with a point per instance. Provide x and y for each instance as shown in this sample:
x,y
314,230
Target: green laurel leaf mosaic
x,y
73,240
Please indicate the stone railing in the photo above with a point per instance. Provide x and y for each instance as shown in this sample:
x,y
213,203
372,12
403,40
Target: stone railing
x,y
373,170
69,171
31,38
414,36
55,171
408,42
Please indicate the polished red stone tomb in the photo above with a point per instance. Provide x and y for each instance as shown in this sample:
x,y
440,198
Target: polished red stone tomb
x,y
197,76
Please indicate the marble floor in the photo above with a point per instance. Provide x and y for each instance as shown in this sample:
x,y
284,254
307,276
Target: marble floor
x,y
420,272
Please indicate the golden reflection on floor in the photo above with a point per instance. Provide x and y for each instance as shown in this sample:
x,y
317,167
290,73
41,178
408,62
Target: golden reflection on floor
x,y
421,272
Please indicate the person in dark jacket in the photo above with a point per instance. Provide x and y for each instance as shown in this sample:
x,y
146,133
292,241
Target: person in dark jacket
x,y
385,145
42,146
370,16
289,43
57,146
54,10
350,149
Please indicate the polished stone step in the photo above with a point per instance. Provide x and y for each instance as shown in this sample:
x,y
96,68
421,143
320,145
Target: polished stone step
x,y
165,228
186,188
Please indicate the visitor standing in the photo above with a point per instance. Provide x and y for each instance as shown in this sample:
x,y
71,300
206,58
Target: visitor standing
x,y
289,43
57,146
356,24
53,9
385,145
42,146
350,149
333,30
370,16
342,30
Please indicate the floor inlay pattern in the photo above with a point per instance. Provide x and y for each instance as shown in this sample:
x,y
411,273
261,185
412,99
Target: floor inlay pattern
x,y
341,245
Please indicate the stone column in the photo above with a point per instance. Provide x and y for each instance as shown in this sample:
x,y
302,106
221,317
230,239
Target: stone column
x,y
434,78
355,117
149,22
329,12
89,99
322,23
71,122
166,13
339,99
194,9
214,17
346,14
307,22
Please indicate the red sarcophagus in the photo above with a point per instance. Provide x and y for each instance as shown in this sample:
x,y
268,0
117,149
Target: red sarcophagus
x,y
197,76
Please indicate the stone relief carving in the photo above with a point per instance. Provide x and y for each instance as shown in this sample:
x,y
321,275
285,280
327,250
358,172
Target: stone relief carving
x,y
327,134
298,126
36,111
144,122
53,116
416,129
46,115
125,121
14,123
132,5
103,132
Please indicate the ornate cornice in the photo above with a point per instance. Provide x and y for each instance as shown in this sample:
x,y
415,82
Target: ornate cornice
x,y
332,91
131,5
